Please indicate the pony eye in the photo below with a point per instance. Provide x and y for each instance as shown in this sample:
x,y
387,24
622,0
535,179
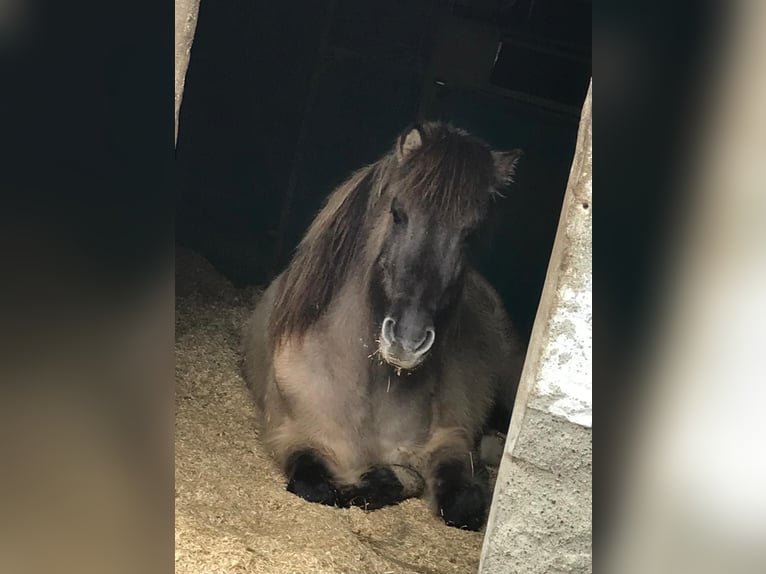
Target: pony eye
x,y
398,215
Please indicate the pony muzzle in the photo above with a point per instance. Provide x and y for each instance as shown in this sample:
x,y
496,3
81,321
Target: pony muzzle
x,y
405,348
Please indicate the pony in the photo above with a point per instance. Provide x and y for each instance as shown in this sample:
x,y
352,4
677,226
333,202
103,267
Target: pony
x,y
376,356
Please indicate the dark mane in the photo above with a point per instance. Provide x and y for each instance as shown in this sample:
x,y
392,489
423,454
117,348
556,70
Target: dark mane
x,y
323,257
451,175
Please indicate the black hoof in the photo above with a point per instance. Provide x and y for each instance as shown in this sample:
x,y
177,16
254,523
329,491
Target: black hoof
x,y
378,487
465,508
461,496
310,480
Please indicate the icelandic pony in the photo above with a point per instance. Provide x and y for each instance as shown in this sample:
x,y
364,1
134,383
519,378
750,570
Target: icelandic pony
x,y
375,357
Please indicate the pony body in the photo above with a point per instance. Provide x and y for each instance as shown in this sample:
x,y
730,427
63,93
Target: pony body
x,y
376,356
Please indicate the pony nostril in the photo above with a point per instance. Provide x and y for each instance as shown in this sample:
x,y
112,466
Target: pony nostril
x,y
387,332
427,342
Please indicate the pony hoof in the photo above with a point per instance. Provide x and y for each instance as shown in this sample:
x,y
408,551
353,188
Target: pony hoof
x,y
464,508
312,491
379,487
311,481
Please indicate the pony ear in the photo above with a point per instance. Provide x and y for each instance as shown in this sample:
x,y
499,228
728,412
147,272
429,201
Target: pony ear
x,y
505,165
409,142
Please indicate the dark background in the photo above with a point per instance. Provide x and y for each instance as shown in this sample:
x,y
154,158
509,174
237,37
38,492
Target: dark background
x,y
284,100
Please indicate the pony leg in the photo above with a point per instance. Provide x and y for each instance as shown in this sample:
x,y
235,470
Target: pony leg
x,y
460,496
458,485
308,465
309,478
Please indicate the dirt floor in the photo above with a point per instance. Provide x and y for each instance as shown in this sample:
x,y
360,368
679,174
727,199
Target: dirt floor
x,y
232,511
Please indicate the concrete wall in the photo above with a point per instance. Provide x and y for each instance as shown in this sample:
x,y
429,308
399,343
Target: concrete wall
x,y
186,23
540,521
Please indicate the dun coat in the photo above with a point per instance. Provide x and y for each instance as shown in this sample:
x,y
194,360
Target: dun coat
x,y
375,357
